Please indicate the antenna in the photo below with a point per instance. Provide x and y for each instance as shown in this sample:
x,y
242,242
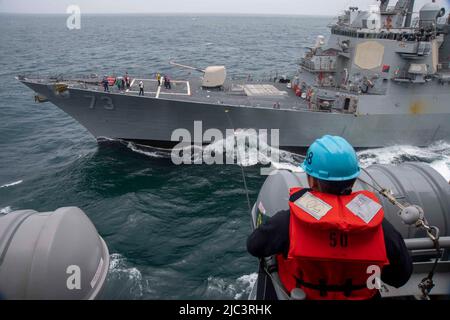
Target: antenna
x,y
409,13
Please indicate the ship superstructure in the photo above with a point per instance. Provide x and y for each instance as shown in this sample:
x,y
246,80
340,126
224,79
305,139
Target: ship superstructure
x,y
381,78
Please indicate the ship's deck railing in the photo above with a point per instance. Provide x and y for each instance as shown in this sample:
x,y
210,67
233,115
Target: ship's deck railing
x,y
283,102
407,77
444,66
94,80
399,34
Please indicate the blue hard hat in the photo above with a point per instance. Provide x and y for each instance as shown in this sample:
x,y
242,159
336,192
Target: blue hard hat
x,y
331,159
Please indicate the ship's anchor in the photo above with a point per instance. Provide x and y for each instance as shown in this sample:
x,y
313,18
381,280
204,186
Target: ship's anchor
x,y
40,99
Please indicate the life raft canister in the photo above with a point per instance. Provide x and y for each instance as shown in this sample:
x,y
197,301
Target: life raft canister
x,y
333,242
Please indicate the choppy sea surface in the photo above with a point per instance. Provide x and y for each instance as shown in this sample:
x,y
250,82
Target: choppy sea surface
x,y
174,232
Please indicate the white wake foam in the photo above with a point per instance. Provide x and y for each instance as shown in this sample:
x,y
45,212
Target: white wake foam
x,y
238,289
5,210
11,184
396,155
147,151
443,167
257,152
130,278
436,155
103,139
245,155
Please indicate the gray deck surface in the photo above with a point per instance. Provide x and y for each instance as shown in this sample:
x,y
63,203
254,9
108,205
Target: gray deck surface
x,y
257,94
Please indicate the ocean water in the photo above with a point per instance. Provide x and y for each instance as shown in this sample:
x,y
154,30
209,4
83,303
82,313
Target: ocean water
x,y
173,232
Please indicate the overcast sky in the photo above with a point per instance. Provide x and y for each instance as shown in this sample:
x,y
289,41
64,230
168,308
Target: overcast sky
x,y
311,7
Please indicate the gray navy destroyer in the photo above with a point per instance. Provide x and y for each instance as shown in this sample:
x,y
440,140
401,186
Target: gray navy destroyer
x,y
382,78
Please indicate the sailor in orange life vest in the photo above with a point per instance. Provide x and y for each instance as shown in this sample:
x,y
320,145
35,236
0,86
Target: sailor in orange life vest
x,y
329,239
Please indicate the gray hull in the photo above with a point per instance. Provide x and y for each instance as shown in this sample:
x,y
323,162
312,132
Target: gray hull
x,y
152,121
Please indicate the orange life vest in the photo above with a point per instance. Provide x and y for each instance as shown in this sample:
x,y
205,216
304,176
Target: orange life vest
x,y
333,242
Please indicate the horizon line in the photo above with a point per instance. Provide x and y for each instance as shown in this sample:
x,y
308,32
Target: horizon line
x,y
171,13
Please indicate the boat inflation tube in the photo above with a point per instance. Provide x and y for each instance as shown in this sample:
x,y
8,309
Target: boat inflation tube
x,y
51,255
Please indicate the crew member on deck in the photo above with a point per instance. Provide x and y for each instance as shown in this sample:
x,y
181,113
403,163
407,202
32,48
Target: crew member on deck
x,y
127,81
331,236
167,83
158,77
105,84
141,88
